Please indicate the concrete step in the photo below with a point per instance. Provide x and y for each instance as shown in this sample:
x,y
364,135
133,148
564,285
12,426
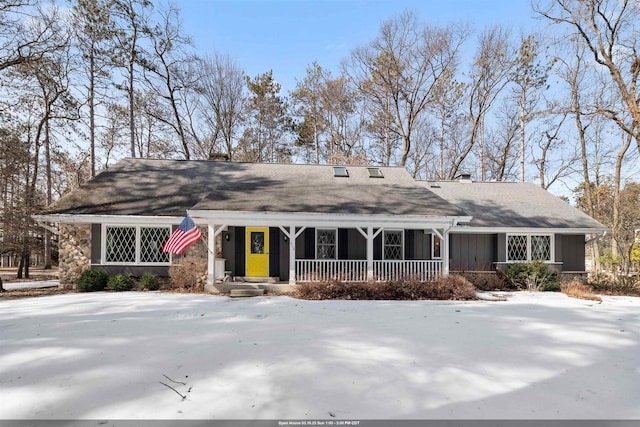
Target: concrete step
x,y
258,279
246,292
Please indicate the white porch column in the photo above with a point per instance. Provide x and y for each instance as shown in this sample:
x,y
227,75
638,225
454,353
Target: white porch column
x,y
292,235
292,255
212,233
370,235
369,253
445,251
211,258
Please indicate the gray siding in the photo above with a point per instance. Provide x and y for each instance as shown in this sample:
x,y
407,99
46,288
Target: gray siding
x,y
474,252
228,248
502,247
573,252
284,257
417,244
96,243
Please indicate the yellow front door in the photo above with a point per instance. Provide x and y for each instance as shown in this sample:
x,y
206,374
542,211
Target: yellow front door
x,y
257,247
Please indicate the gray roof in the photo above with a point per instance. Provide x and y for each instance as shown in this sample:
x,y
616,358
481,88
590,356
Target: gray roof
x,y
170,187
512,204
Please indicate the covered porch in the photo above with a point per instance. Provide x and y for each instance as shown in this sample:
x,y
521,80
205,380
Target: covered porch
x,y
301,248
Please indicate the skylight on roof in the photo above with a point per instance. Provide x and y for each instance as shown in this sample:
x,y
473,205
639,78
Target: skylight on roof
x,y
375,173
340,172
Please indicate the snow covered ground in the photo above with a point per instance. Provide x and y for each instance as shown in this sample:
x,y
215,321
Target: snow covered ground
x,y
106,355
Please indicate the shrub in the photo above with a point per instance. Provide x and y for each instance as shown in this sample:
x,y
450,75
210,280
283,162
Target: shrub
x,y
611,285
120,283
488,281
188,273
577,289
534,276
92,281
449,287
149,281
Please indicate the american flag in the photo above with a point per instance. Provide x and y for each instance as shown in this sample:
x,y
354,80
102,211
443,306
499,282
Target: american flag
x,y
185,235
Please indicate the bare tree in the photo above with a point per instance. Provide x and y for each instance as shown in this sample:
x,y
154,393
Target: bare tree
x,y
221,84
400,69
19,43
131,20
167,72
490,74
610,31
501,144
529,78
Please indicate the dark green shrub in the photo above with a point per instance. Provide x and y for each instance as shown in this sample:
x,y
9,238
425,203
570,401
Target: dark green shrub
x,y
92,281
120,283
451,287
150,282
533,276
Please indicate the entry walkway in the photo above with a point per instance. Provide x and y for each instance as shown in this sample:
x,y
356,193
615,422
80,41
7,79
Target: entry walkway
x,y
13,286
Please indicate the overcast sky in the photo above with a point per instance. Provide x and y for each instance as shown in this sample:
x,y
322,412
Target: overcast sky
x,y
287,36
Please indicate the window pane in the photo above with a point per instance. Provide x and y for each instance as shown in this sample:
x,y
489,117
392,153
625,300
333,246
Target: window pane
x,y
326,244
121,244
151,241
393,245
540,248
257,242
517,248
437,245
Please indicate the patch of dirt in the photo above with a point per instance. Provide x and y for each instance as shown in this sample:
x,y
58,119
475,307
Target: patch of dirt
x,y
30,293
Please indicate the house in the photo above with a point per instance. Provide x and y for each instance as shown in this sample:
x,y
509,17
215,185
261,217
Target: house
x,y
299,223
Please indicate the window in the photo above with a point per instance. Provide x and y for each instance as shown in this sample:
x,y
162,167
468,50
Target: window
x,y
121,244
326,243
151,241
375,173
393,249
127,244
529,247
436,247
340,172
257,242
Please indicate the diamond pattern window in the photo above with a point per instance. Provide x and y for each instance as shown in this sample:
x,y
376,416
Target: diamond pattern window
x,y
135,244
121,244
393,248
540,248
517,248
326,244
151,241
527,247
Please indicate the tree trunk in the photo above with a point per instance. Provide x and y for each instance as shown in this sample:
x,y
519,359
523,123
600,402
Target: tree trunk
x,y
92,129
131,94
616,196
522,135
47,233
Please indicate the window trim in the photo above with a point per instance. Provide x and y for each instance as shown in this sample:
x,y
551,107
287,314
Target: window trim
x,y
375,172
335,230
384,232
433,246
340,172
552,252
137,227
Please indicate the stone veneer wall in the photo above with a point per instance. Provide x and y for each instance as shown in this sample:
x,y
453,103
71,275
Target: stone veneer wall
x,y
74,252
199,250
